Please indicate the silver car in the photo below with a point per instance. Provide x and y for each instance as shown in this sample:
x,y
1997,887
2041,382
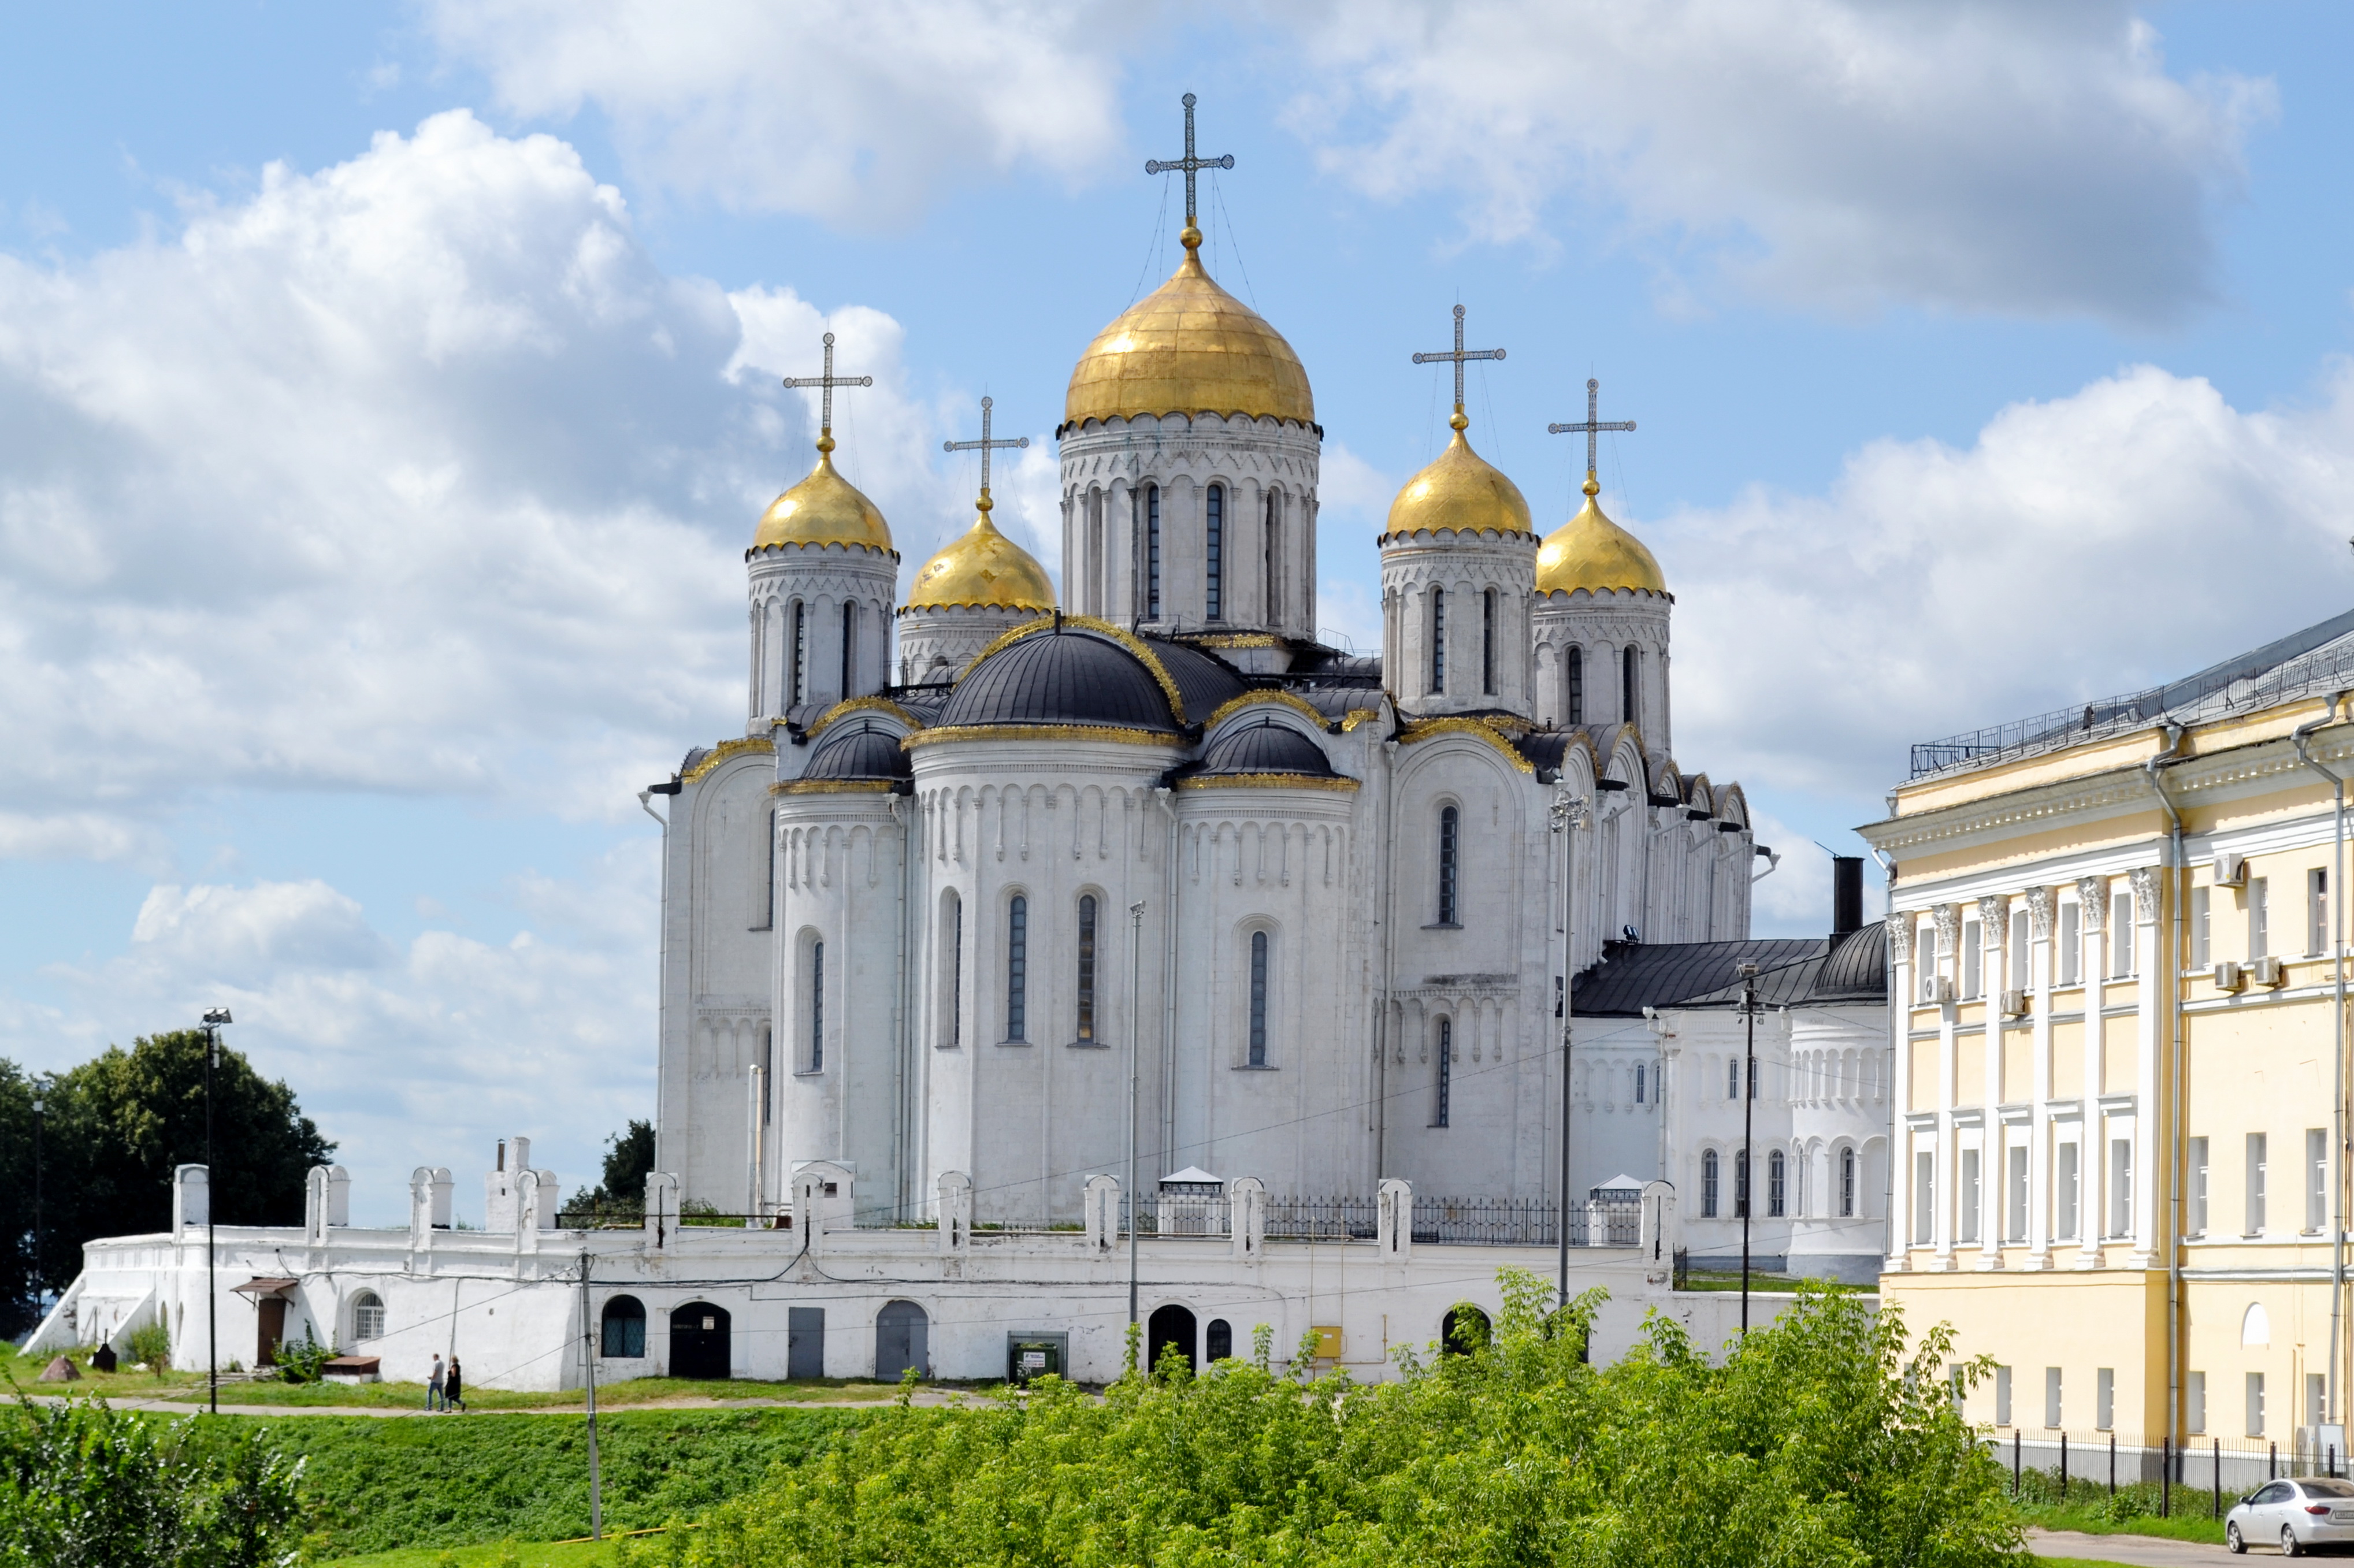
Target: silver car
x,y
2309,1511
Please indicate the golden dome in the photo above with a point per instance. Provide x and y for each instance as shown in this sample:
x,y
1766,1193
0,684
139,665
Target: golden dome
x,y
1591,552
1461,490
982,568
823,509
1188,347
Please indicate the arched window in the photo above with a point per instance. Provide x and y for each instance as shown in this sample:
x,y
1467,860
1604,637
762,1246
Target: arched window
x,y
1741,1185
1776,1177
769,894
1641,1073
1445,1071
1437,641
1630,668
1258,1000
952,974
367,1317
1017,967
1488,642
1218,1341
1270,613
1708,1185
1152,552
797,678
1449,834
849,646
1213,520
1847,1183
816,1056
624,1336
1086,1029
1574,677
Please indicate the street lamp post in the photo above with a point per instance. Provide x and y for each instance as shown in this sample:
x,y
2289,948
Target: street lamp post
x,y
1748,1179
1568,815
214,1020
39,1099
1135,1056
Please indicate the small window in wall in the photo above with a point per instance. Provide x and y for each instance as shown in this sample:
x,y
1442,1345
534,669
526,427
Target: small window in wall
x,y
2002,1396
2197,1160
1437,641
1741,1185
1446,1071
2121,935
1733,1077
849,646
1573,678
1258,946
951,970
1488,643
1973,960
367,1317
2014,1206
2200,948
2121,1192
2194,1400
2256,1404
1017,967
2317,911
815,1056
1925,1197
1271,568
1450,824
1086,1034
1966,1194
2016,980
2255,1185
2316,1399
2316,1178
623,1329
768,892
1641,1070
2105,1398
2071,944
2064,1189
1776,1180
797,683
1152,552
1630,677
2051,1396
2260,941
1847,1183
1708,1179
1213,520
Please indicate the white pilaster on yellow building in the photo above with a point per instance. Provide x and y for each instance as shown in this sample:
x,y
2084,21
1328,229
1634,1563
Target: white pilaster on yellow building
x,y
2117,993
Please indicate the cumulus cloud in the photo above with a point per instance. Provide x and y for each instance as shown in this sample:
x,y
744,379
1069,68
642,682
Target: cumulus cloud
x,y
2134,530
1997,155
854,114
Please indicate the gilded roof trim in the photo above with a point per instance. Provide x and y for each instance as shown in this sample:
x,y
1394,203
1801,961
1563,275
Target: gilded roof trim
x,y
1234,705
722,752
1120,635
834,786
1041,732
1432,728
1356,716
862,704
1234,639
1267,781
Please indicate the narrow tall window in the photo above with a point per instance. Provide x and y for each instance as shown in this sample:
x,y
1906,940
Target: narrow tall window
x,y
1741,1185
2121,1186
2256,1404
2200,951
1847,1183
955,923
1152,552
2002,1396
2260,941
1631,676
817,1008
2016,980
1086,1031
1925,1197
1017,967
1437,641
1642,1071
2014,1228
2121,935
2071,943
1733,1077
1446,1070
2194,1399
1708,1185
849,646
769,896
2063,1193
2317,911
1776,1177
2255,1185
1449,825
2051,1396
1574,677
1973,960
1215,527
1271,613
1258,1000
2104,1397
1488,643
797,683
1966,1197
2197,1194
2316,1178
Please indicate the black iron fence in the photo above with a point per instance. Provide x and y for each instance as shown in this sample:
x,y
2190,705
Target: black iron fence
x,y
2136,1476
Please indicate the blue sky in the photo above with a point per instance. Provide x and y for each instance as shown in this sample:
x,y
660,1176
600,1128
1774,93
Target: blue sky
x,y
387,392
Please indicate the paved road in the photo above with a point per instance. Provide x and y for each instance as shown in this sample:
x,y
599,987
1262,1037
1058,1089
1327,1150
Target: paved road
x,y
2144,1550
185,1407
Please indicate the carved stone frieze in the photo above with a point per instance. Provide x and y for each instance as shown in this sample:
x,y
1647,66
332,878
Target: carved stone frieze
x,y
2145,893
1900,937
1949,926
2093,894
2040,902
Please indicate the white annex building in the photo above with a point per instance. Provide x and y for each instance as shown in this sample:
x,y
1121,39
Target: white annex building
x,y
980,855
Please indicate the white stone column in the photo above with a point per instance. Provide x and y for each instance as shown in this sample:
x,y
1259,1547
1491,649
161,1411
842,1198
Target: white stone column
x,y
1949,1161
1994,927
2091,1150
2154,968
1902,988
2040,976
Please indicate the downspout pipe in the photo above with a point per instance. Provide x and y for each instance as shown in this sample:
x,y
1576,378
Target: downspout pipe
x,y
2302,738
1896,1005
2171,971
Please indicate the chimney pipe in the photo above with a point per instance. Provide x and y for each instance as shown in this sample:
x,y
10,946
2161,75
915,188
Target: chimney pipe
x,y
1847,894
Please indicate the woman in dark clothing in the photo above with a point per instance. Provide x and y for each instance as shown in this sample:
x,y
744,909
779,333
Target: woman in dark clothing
x,y
452,1389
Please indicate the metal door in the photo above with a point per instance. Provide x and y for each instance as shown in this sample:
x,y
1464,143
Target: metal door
x,y
699,1340
901,1333
804,1342
273,1329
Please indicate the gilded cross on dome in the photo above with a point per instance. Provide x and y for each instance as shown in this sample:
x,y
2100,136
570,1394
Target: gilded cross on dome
x,y
1192,237
1594,424
829,381
984,446
1458,356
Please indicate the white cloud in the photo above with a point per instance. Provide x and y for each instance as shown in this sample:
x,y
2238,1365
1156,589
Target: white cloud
x,y
854,114
2131,532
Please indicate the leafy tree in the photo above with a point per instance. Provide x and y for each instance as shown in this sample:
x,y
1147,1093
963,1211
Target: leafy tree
x,y
629,1160
114,1130
1818,1440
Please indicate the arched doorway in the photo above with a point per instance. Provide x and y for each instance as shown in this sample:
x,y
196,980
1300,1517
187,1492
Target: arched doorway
x,y
1170,1325
1467,1328
902,1340
698,1340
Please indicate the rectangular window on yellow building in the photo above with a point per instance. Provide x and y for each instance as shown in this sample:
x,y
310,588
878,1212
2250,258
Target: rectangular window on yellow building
x,y
2051,1396
2194,1400
2316,1179
2064,1191
2120,1186
2071,944
2317,911
2200,958
2105,1398
1965,1195
2259,942
2198,1185
1925,1197
2255,1186
2014,1227
2317,1398
2256,1404
1973,976
2121,937
2017,979
2002,1396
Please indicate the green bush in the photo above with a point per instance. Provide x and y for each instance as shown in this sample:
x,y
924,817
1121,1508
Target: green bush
x,y
151,1344
303,1362
1817,1441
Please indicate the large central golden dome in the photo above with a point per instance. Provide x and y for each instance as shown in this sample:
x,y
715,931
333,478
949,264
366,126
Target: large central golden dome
x,y
1461,491
982,568
1591,552
1188,347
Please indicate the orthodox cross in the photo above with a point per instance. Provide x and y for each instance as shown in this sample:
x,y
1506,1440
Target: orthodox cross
x,y
1593,423
1458,356
829,381
984,446
1188,163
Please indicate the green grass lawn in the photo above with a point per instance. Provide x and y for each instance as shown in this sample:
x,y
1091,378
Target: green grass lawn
x,y
534,1554
2090,1509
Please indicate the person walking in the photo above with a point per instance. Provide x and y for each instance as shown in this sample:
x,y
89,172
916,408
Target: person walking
x,y
453,1390
433,1396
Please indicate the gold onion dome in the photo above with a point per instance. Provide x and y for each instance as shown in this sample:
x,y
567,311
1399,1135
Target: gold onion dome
x,y
823,509
1591,552
1461,490
1188,347
982,568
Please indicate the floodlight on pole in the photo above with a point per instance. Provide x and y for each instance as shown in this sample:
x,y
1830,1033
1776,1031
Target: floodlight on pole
x,y
214,1019
1746,1182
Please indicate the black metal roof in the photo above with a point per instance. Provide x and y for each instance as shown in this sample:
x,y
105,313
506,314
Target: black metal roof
x,y
1267,747
1668,974
857,751
1854,969
1204,681
1068,676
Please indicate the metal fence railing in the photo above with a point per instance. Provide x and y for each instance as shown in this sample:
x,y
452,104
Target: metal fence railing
x,y
2133,1474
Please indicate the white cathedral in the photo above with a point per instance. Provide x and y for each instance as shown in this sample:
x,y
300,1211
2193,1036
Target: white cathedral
x,y
1002,907
976,847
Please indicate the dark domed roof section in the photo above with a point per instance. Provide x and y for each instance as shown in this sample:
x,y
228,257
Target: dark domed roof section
x,y
862,751
1266,747
1069,675
1204,681
1858,965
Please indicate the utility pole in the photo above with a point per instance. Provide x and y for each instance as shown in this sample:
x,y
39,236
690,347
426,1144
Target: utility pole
x,y
1135,1054
1748,1179
214,1020
589,1361
1568,815
40,1095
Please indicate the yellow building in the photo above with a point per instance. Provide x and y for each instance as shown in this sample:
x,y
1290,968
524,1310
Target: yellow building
x,y
2118,1013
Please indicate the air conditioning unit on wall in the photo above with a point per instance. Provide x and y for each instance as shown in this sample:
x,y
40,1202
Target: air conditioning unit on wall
x,y
2268,972
1941,991
2230,976
2014,1005
2231,870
